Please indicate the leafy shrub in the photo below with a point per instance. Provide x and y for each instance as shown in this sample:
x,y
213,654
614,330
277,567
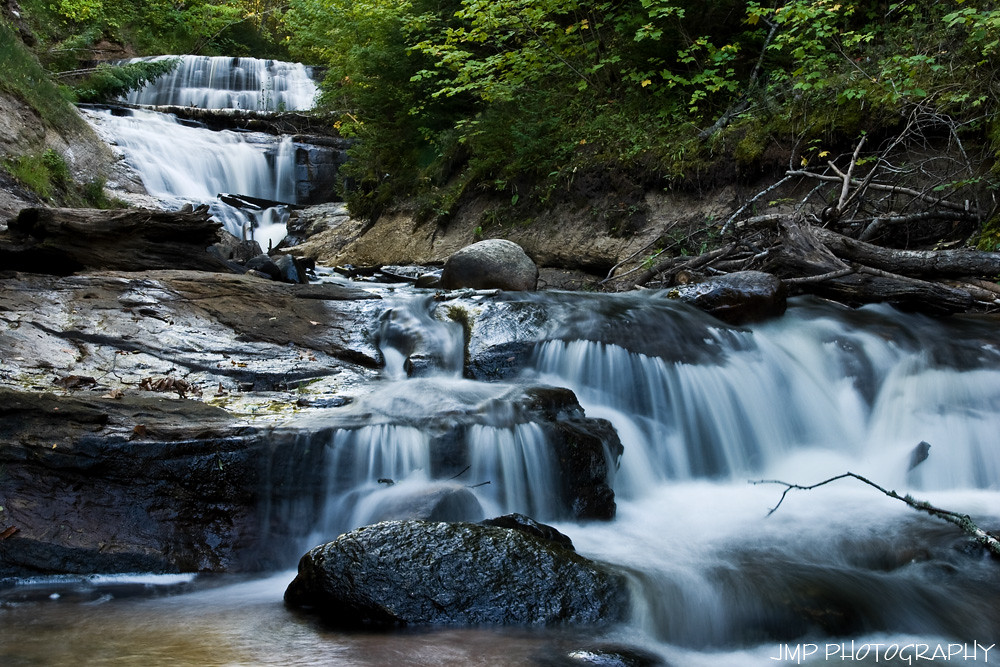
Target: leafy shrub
x,y
108,82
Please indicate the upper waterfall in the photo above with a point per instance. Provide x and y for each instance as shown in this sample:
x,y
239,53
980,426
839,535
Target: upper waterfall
x,y
219,82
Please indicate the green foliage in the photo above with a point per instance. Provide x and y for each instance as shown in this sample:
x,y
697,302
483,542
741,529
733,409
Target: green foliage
x,y
67,29
48,176
529,91
989,237
23,77
109,81
45,174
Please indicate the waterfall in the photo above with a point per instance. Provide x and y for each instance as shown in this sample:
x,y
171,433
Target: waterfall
x,y
800,384
701,408
819,392
230,83
185,162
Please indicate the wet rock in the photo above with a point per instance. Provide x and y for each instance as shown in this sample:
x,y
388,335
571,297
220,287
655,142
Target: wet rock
x,y
736,298
317,162
205,328
292,269
428,280
416,572
332,223
244,251
87,493
265,265
599,655
440,502
528,525
490,264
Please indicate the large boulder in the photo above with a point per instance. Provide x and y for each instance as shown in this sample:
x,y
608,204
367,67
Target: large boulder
x,y
736,298
490,264
416,572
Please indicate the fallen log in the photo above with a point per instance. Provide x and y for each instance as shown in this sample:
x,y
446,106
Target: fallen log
x,y
802,254
916,263
62,241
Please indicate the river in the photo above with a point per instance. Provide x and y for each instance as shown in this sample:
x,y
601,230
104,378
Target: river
x,y
840,573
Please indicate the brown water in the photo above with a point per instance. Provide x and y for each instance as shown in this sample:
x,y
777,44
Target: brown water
x,y
232,624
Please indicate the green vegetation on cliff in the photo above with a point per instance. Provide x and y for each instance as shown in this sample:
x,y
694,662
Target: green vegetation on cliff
x,y
69,30
518,96
24,77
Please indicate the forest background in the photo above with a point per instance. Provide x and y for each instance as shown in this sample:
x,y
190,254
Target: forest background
x,y
519,98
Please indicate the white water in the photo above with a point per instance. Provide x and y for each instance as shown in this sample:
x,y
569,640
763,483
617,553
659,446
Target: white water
x,y
715,580
231,83
183,162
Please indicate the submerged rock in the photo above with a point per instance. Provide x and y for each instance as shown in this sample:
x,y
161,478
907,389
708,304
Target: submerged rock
x,y
416,572
440,502
490,264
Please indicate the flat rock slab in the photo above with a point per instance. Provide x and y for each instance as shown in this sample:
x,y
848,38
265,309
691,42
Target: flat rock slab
x,y
418,572
215,331
61,241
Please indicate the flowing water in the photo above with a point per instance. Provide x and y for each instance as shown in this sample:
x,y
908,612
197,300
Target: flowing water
x,y
715,580
183,162
230,83
838,573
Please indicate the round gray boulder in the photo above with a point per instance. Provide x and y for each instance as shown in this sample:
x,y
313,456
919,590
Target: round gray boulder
x,y
490,264
420,572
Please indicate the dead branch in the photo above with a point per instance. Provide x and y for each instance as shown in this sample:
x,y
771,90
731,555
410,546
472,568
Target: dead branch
x,y
922,263
963,521
750,202
820,278
884,187
674,266
846,188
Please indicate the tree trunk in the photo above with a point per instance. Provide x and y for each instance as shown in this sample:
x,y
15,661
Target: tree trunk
x,y
919,263
62,241
802,253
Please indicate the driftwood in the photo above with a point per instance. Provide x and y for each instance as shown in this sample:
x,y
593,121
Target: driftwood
x,y
919,263
674,265
901,193
963,521
62,241
802,254
255,203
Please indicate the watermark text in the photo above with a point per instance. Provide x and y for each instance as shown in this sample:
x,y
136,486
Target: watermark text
x,y
875,652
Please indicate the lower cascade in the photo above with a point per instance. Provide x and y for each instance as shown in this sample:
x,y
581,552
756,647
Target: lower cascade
x,y
637,444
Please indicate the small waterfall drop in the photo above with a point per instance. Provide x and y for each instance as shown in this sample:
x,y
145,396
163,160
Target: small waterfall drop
x,y
230,83
800,384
